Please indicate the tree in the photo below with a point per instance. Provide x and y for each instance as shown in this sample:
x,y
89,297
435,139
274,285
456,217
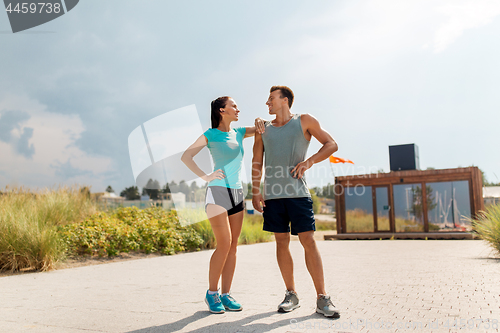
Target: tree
x,y
109,189
152,189
194,186
485,180
318,191
173,186
130,193
165,189
184,188
327,191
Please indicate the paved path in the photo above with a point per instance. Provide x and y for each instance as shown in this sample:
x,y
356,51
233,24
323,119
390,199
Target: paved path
x,y
380,286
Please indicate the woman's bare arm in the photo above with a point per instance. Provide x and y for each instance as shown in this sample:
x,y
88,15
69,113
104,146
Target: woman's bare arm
x,y
188,159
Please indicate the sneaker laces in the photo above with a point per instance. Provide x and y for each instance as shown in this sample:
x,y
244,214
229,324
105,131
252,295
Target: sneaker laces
x,y
229,297
288,296
328,300
216,298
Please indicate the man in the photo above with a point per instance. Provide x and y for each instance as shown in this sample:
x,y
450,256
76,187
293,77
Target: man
x,y
287,201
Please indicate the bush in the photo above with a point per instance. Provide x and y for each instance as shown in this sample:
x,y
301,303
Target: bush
x,y
39,229
28,220
130,229
487,225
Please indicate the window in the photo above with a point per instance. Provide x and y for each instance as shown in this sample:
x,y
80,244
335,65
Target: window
x,y
408,207
359,209
448,206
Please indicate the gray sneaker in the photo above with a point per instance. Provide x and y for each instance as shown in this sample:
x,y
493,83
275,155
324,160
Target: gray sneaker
x,y
326,307
291,302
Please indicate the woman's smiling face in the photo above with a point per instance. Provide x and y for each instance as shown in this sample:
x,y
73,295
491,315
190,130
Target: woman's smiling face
x,y
231,110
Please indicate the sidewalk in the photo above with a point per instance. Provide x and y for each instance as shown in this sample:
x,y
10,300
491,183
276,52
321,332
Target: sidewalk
x,y
380,286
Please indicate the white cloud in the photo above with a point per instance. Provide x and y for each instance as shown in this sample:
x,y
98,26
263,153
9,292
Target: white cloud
x,y
368,34
56,159
463,15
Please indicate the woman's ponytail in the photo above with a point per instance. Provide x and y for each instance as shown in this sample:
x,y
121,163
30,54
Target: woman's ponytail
x,y
216,105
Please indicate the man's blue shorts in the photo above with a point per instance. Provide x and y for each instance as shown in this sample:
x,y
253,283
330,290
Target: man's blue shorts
x,y
279,214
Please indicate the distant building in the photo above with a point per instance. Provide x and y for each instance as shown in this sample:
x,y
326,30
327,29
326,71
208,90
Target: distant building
x,y
249,207
110,197
173,200
327,206
491,195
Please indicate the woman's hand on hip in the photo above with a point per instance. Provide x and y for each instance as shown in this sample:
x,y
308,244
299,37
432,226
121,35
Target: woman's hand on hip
x,y
217,174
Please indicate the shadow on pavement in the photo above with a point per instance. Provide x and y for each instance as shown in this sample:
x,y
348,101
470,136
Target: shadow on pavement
x,y
242,325
488,259
178,325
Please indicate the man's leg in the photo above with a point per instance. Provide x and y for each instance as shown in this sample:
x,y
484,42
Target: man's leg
x,y
313,261
284,257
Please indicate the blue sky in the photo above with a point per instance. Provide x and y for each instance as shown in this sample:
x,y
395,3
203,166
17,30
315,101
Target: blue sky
x,y
375,73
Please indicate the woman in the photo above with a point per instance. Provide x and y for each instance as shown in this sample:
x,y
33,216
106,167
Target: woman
x,y
224,203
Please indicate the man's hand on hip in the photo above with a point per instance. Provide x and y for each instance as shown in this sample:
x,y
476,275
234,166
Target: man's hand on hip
x,y
300,168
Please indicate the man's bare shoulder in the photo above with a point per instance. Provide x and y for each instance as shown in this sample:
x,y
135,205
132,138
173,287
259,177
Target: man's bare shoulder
x,y
308,120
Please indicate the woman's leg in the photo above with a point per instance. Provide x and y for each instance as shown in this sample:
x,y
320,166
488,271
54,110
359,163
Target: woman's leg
x,y
235,222
220,226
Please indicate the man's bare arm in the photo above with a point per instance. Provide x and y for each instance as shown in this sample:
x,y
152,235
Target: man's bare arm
x,y
257,162
312,125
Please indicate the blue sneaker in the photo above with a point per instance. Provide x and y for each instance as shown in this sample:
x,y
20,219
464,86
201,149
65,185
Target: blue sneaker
x,y
214,303
230,303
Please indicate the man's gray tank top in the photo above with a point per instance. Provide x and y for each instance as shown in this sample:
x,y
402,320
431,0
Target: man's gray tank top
x,y
284,148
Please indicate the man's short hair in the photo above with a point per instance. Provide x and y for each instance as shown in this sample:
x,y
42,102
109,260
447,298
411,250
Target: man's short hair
x,y
285,92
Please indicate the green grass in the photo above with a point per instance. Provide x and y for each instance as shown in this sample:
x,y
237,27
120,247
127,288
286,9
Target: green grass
x,y
205,231
324,225
251,231
28,224
39,229
487,226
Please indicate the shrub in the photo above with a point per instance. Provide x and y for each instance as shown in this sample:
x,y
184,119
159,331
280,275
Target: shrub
x,y
39,229
130,229
487,225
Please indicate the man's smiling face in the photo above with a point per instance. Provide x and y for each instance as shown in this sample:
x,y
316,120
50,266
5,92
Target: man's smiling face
x,y
275,102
